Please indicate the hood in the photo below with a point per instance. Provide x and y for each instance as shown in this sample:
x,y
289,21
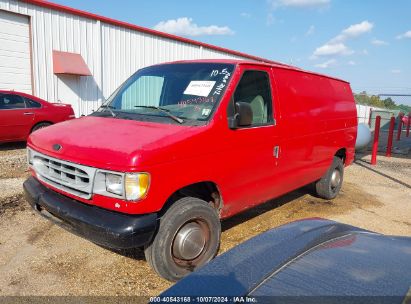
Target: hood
x,y
107,143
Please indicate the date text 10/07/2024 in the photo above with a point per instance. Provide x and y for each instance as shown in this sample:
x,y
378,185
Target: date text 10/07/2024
x,y
187,299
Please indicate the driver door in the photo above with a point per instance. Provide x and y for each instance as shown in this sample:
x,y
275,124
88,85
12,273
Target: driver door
x,y
255,149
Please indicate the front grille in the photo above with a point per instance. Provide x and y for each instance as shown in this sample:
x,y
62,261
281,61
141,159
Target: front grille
x,y
70,177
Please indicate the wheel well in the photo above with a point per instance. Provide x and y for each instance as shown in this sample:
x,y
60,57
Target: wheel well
x,y
342,153
207,191
40,122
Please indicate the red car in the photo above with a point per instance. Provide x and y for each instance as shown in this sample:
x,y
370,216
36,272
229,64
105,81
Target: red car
x,y
180,146
22,114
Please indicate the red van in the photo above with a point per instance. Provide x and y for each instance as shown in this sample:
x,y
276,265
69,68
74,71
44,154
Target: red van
x,y
182,145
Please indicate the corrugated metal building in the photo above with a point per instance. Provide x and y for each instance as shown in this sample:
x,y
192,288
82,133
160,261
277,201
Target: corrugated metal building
x,y
62,54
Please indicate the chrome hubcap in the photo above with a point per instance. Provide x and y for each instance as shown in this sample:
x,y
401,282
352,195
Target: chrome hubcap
x,y
189,242
335,179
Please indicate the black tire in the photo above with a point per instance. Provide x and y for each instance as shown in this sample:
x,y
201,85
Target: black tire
x,y
40,126
187,219
330,184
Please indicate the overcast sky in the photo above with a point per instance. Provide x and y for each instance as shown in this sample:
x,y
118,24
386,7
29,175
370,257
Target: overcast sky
x,y
367,42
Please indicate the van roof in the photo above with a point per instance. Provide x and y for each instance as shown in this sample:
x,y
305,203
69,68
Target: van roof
x,y
260,63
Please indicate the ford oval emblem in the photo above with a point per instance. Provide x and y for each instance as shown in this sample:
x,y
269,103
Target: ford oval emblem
x,y
57,147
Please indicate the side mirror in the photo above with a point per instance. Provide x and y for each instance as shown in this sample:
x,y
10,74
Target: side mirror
x,y
243,116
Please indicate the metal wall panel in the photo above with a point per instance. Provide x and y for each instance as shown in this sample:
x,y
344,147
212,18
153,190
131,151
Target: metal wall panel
x,y
125,51
112,53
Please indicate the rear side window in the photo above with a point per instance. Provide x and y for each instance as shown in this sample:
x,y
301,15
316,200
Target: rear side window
x,y
11,101
32,104
254,88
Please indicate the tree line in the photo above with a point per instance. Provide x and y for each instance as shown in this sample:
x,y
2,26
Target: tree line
x,y
376,101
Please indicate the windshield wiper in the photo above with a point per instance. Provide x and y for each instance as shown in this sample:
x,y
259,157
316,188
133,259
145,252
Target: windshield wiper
x,y
165,111
108,107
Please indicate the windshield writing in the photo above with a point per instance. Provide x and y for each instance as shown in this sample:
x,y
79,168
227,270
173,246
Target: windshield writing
x,y
189,91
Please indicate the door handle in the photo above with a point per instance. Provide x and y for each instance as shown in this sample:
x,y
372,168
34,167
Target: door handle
x,y
276,151
28,113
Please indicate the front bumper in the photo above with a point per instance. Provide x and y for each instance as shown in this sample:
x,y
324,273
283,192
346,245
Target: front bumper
x,y
107,228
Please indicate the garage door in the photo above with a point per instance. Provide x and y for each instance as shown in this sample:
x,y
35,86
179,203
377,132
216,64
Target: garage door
x,y
15,68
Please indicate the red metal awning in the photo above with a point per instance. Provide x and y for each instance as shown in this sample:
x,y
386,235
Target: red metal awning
x,y
69,63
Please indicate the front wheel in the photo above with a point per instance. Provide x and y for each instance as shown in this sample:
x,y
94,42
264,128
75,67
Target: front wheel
x,y
188,237
330,184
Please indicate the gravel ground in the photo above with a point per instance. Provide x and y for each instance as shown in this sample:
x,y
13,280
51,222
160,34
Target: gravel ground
x,y
13,160
39,258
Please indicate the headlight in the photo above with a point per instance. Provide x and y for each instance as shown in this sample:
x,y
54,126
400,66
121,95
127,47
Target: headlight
x,y
114,183
136,185
128,186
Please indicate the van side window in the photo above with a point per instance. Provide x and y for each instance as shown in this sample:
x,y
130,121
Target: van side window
x,y
254,88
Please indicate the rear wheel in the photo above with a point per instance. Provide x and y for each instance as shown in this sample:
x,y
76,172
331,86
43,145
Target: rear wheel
x,y
187,238
40,126
330,184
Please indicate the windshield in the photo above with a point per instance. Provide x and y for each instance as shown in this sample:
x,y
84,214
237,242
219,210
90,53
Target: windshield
x,y
171,92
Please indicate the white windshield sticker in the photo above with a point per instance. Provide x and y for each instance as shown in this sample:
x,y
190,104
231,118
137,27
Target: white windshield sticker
x,y
199,88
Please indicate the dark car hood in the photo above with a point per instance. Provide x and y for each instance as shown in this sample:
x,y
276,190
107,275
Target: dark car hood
x,y
107,142
307,258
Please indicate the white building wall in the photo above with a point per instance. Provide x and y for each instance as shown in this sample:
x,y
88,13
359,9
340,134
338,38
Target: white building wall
x,y
112,53
125,51
363,113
